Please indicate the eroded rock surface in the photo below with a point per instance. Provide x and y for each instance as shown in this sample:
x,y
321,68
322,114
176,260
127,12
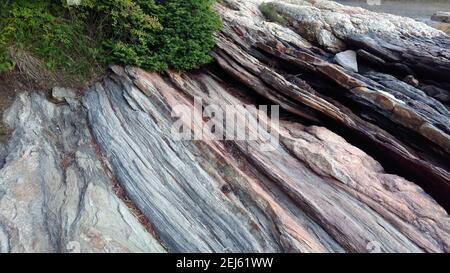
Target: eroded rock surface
x,y
403,125
441,16
55,194
104,172
330,23
347,59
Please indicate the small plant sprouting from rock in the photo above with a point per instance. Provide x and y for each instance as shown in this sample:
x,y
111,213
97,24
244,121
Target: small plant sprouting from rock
x,y
270,13
4,131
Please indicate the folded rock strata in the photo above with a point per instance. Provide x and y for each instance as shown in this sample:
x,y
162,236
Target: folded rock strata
x,y
55,193
103,172
408,125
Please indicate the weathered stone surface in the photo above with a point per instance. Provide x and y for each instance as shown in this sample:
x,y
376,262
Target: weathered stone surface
x,y
409,129
61,94
347,59
55,193
103,172
411,81
315,174
318,18
441,16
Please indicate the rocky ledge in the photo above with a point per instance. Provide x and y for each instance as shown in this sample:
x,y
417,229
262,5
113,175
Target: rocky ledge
x,y
360,162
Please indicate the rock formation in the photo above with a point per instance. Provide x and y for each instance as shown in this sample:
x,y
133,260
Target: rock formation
x,y
441,16
359,161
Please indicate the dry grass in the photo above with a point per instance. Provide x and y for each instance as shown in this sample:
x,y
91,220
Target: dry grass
x,y
4,133
32,69
445,27
30,74
270,13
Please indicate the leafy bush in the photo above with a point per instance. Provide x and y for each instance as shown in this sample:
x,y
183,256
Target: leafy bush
x,y
152,34
37,27
269,11
186,38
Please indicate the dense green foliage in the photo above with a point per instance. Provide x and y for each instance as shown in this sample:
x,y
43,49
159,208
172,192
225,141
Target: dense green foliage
x,y
152,34
36,26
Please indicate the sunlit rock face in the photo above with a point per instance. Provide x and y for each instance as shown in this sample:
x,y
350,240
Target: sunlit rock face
x,y
329,23
358,161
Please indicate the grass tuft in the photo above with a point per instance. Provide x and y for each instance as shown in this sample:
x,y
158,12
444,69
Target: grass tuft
x,y
445,27
270,13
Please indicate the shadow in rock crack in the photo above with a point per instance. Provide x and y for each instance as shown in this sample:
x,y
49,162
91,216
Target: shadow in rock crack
x,y
418,169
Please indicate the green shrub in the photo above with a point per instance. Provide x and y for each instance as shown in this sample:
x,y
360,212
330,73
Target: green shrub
x,y
269,11
153,35
45,30
187,37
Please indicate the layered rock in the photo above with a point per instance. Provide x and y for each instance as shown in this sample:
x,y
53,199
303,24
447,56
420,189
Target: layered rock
x,y
55,193
314,192
408,125
104,171
441,16
330,24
